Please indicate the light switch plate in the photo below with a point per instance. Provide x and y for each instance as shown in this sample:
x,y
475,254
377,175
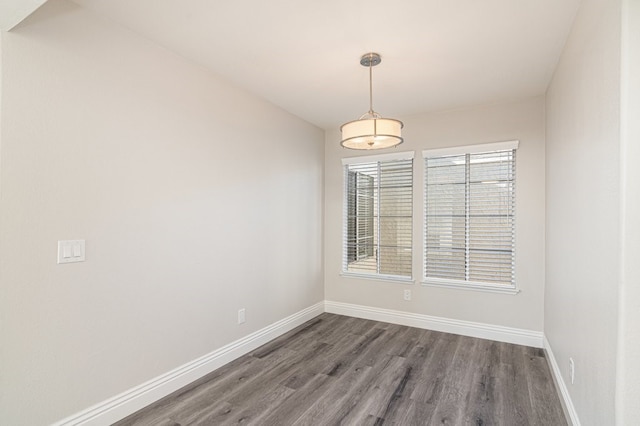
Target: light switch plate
x,y
70,251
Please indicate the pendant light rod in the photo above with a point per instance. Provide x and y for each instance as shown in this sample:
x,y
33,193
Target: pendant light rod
x,y
370,88
370,60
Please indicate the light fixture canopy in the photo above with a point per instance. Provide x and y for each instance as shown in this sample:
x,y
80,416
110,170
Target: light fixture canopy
x,y
371,130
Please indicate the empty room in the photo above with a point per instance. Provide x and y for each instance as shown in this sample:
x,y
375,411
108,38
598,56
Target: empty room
x,y
334,212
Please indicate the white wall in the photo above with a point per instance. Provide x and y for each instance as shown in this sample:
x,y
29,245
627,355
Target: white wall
x,y
583,209
522,120
195,199
628,368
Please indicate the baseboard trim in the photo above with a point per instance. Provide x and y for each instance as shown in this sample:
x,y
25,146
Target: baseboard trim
x,y
447,325
128,402
134,399
567,404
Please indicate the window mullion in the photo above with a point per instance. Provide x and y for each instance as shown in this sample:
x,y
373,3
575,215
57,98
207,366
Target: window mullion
x,y
377,198
467,209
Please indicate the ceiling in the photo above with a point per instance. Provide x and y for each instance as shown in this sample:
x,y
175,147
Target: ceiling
x,y
303,55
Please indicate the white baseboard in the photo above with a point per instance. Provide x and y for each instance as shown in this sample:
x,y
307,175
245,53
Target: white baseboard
x,y
465,328
565,398
128,402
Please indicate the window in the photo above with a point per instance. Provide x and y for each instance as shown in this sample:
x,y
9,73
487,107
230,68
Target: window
x,y
378,216
469,216
360,206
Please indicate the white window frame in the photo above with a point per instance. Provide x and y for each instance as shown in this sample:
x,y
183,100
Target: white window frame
x,y
406,155
464,284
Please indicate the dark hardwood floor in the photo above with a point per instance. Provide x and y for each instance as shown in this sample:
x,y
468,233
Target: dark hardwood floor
x,y
337,370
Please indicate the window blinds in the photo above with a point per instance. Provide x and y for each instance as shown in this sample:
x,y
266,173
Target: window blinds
x,y
470,217
378,212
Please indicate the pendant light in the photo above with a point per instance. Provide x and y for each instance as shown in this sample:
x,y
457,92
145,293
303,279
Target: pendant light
x,y
371,131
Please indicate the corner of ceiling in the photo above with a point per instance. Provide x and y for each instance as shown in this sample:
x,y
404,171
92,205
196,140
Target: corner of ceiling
x,y
12,12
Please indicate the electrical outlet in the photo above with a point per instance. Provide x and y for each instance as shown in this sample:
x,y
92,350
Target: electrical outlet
x,y
241,317
572,369
407,294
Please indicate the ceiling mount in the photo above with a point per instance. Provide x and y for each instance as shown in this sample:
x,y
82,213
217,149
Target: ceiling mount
x,y
370,59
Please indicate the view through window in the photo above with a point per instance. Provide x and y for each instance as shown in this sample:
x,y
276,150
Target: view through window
x,y
470,218
378,217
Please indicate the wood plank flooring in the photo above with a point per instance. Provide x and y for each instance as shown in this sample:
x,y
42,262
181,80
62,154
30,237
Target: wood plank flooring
x,y
337,370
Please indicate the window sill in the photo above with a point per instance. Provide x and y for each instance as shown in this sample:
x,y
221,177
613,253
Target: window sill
x,y
388,278
482,287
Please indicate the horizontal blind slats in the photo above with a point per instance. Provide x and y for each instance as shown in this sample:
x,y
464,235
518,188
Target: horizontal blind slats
x,y
378,217
469,216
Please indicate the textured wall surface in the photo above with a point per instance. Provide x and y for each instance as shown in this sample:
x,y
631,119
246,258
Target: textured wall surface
x,y
195,199
583,210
